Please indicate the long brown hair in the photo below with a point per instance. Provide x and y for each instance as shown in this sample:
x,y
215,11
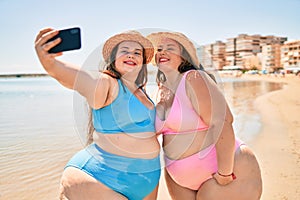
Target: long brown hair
x,y
112,71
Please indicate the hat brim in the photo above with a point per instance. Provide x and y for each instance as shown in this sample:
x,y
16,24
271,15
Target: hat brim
x,y
135,36
155,38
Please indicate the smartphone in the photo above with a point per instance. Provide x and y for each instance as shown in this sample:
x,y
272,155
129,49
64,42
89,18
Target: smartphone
x,y
70,40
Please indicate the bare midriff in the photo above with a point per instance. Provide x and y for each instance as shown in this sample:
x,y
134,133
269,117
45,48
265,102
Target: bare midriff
x,y
137,145
179,146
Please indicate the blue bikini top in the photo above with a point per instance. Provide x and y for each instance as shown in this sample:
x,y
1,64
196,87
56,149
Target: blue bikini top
x,y
126,114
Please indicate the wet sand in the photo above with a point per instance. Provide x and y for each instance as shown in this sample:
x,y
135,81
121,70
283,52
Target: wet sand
x,y
277,146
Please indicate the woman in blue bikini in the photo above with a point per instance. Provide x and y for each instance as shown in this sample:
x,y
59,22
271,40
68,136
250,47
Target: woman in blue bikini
x,y
122,162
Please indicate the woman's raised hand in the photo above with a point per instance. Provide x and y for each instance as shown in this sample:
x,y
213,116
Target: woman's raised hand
x,y
42,46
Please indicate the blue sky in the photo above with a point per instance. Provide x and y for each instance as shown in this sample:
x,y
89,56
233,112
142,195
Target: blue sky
x,y
204,21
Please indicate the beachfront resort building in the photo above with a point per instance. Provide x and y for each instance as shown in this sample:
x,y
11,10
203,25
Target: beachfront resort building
x,y
212,55
271,57
247,51
290,54
247,46
204,55
218,54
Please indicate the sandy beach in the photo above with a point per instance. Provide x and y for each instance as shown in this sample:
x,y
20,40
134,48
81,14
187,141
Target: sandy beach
x,y
277,146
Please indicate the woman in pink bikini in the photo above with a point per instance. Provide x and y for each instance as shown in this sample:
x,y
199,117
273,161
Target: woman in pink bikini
x,y
204,160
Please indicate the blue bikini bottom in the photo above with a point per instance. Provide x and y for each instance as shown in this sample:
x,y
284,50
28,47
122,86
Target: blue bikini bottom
x,y
134,178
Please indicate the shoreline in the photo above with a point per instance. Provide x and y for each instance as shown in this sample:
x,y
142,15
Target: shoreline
x,y
278,143
23,75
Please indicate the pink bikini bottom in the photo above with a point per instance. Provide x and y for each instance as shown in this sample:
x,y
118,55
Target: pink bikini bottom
x,y
192,171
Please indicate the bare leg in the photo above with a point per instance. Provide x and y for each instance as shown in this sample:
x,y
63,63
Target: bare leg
x,y
77,185
152,195
247,186
178,192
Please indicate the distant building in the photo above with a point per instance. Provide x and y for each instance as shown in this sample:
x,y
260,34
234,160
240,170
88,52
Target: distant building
x,y
271,57
205,57
247,47
230,52
290,54
218,54
246,51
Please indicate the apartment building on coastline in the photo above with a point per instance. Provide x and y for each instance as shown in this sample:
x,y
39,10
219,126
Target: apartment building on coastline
x,y
246,51
205,56
271,57
212,55
290,54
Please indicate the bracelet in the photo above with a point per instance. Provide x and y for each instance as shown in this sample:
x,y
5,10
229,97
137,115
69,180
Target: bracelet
x,y
232,175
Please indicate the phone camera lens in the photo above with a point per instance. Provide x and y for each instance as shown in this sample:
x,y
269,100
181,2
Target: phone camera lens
x,y
74,31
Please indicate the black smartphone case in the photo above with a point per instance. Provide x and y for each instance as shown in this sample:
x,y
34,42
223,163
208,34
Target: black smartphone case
x,y
70,40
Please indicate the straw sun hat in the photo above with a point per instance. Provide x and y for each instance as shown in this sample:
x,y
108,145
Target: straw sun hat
x,y
178,37
135,36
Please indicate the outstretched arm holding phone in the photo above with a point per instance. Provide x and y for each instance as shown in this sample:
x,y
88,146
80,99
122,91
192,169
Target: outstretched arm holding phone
x,y
68,74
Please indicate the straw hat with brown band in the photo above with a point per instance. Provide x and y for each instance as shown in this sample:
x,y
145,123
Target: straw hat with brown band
x,y
135,36
178,37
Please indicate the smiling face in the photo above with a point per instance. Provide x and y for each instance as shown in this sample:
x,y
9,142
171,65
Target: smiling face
x,y
129,56
168,54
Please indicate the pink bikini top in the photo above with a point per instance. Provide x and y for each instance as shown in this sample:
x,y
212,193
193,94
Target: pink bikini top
x,y
182,117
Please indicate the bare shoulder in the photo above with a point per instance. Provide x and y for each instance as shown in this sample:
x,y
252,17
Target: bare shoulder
x,y
196,80
106,90
197,77
105,77
106,82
